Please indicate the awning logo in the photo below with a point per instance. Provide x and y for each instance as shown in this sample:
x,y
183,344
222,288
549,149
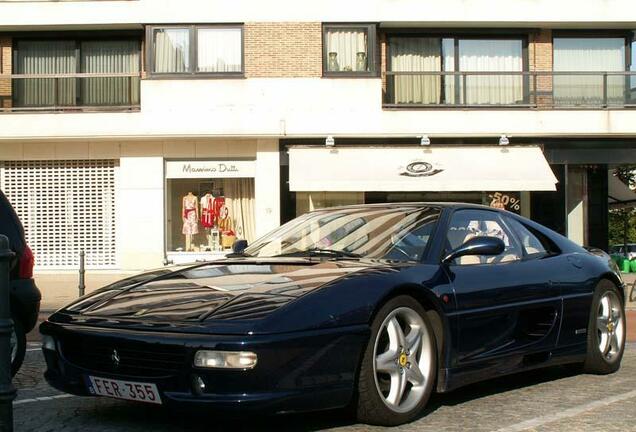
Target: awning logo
x,y
419,168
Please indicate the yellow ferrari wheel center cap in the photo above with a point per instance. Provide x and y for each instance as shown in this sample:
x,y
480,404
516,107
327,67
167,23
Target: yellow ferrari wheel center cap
x,y
403,359
610,327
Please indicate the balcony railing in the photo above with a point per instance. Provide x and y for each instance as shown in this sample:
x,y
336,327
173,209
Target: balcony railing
x,y
543,90
70,92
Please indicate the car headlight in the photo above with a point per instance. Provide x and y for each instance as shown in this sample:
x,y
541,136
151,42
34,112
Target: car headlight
x,y
225,359
48,343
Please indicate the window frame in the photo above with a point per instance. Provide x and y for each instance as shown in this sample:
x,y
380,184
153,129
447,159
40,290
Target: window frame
x,y
76,37
523,36
192,52
372,51
498,217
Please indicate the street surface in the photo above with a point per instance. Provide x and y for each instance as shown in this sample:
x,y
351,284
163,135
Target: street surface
x,y
555,399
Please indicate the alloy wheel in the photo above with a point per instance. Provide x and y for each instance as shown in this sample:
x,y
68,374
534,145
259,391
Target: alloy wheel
x,y
610,326
402,360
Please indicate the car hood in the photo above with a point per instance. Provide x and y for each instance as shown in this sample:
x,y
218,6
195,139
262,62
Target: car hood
x,y
228,291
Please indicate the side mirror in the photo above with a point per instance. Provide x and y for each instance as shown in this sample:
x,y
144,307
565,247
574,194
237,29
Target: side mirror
x,y
477,246
238,248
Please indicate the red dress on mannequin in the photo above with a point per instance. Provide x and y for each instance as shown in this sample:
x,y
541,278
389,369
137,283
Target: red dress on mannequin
x,y
207,211
218,203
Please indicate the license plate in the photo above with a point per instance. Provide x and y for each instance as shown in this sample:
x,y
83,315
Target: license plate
x,y
128,390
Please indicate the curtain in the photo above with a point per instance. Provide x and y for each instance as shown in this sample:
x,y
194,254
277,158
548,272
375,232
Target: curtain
x,y
239,199
45,57
219,50
416,54
492,56
172,50
593,55
110,57
347,50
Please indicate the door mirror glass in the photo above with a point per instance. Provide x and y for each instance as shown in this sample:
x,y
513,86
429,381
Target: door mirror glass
x,y
488,246
239,247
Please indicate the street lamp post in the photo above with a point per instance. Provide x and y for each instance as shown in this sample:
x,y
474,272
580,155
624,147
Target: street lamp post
x,y
7,391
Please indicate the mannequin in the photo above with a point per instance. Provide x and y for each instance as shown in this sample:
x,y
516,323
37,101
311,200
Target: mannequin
x,y
190,215
207,218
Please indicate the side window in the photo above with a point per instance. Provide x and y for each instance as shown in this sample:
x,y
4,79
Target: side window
x,y
466,224
530,243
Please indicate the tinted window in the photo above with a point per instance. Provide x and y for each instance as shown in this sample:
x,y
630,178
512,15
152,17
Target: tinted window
x,y
530,243
397,233
467,224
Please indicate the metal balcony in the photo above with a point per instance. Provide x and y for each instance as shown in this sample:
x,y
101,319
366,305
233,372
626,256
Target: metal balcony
x,y
537,90
70,92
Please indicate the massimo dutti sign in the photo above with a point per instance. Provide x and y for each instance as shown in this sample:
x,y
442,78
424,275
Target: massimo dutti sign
x,y
210,169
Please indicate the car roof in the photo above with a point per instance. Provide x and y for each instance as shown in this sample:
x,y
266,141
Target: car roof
x,y
412,204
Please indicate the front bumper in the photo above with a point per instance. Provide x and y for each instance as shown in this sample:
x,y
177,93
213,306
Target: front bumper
x,y
302,371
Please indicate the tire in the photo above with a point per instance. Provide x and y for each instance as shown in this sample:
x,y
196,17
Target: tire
x,y
17,355
378,400
605,331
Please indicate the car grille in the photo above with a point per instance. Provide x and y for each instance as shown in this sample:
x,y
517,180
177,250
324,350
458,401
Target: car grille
x,y
138,359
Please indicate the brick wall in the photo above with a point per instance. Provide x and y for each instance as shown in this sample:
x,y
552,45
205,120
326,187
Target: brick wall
x,y
283,49
540,55
6,56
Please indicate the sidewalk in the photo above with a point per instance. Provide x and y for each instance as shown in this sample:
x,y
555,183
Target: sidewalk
x,y
60,288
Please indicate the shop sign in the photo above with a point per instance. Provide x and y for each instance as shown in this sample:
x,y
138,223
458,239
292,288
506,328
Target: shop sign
x,y
510,201
210,169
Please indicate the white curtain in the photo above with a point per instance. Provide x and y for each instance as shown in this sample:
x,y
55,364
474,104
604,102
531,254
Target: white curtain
x,y
239,199
480,55
219,50
416,54
110,57
591,55
45,57
347,50
172,50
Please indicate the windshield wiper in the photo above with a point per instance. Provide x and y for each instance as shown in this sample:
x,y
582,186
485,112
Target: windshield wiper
x,y
318,251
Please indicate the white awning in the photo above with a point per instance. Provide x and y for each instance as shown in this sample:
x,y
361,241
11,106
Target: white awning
x,y
619,195
444,169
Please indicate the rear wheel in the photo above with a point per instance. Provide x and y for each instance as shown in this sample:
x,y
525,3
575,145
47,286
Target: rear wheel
x,y
399,365
606,330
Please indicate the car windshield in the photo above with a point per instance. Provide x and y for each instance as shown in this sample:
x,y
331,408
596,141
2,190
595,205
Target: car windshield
x,y
395,233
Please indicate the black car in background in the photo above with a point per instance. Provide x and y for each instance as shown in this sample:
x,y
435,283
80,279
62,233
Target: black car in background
x,y
25,296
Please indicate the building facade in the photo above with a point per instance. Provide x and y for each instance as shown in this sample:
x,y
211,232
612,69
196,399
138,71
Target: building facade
x,y
144,132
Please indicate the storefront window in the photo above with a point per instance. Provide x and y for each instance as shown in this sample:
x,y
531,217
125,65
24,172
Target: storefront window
x,y
310,201
209,214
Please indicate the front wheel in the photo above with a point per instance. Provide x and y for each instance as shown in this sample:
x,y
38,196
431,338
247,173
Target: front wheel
x,y
399,364
606,330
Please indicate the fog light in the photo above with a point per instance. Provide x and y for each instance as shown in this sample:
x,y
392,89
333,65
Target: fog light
x,y
48,343
225,359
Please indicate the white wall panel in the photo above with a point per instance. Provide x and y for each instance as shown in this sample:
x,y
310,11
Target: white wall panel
x,y
447,13
300,107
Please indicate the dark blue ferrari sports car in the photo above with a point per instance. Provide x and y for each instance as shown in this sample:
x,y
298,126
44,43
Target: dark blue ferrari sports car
x,y
372,307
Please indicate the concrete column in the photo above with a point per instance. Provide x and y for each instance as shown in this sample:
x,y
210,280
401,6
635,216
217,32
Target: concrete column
x,y
140,213
577,205
267,186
